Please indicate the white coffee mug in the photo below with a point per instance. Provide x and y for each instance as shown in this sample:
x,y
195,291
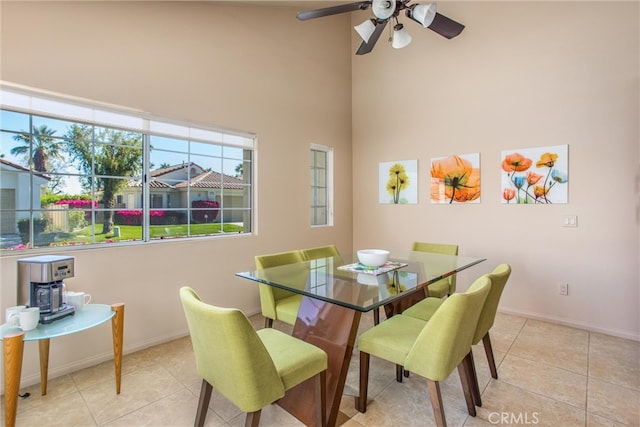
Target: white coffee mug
x,y
29,318
26,319
78,299
11,320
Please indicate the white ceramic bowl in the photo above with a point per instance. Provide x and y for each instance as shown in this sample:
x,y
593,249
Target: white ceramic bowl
x,y
373,257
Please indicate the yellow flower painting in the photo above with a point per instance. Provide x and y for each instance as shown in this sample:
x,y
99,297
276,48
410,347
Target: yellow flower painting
x,y
398,182
455,179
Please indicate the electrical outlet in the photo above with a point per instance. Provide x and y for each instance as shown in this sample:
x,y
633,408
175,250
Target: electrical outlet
x,y
563,289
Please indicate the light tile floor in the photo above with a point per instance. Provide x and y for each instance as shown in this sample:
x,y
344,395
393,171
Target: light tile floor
x,y
549,375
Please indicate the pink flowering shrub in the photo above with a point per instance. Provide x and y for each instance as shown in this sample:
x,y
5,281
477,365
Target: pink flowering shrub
x,y
134,217
78,204
205,207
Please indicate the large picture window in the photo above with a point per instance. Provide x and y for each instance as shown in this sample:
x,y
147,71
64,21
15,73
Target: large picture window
x,y
75,173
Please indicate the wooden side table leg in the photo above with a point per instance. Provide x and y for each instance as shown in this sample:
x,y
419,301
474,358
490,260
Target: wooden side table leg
x,y
117,328
13,350
43,347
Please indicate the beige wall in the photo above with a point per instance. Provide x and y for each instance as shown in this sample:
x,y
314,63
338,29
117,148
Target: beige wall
x,y
255,70
522,74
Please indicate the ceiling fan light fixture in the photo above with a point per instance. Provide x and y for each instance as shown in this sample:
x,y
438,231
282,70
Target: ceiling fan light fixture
x,y
383,9
401,37
422,13
365,29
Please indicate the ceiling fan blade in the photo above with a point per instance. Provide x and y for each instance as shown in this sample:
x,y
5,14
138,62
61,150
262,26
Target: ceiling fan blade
x,y
446,27
333,10
367,47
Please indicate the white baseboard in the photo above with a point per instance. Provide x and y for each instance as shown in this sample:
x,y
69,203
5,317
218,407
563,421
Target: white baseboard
x,y
573,324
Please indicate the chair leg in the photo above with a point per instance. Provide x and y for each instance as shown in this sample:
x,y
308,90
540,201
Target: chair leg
x,y
253,419
376,316
486,341
361,402
268,322
436,403
475,388
203,403
465,379
399,373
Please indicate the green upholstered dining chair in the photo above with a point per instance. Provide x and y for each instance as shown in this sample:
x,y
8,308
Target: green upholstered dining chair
x,y
499,277
250,368
431,349
276,303
320,252
446,286
331,251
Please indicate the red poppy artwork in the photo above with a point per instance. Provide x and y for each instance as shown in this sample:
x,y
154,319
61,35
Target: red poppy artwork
x,y
535,175
455,179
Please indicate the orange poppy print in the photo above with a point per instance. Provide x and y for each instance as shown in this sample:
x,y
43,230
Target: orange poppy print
x,y
455,179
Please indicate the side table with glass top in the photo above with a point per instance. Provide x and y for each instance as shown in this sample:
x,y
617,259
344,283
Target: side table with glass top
x,y
13,342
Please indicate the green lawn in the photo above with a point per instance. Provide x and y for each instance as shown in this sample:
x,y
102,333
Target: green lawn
x,y
132,232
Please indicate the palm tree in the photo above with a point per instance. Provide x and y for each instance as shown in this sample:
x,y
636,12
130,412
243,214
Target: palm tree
x,y
119,156
46,147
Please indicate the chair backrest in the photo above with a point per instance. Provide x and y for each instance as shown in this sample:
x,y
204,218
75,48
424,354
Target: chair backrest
x,y
230,355
320,252
446,338
439,248
280,258
269,295
499,277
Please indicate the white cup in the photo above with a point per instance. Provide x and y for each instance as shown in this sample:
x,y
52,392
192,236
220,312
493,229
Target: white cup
x,y
26,319
29,318
9,317
78,299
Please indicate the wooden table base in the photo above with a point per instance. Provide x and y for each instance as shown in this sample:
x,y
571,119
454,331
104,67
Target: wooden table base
x,y
332,328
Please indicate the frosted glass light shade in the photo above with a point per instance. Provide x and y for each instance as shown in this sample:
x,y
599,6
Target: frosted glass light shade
x,y
383,9
365,29
401,37
424,13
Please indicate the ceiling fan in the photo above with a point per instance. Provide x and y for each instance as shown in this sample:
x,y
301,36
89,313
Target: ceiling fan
x,y
385,11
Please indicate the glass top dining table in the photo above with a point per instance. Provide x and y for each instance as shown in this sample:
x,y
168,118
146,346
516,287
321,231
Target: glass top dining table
x,y
335,292
341,280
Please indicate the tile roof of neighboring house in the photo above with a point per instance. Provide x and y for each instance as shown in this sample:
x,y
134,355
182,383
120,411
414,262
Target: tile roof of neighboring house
x,y
162,171
22,168
207,179
211,179
152,184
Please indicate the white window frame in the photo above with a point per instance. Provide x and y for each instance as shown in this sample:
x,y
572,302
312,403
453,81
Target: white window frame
x,y
329,184
22,99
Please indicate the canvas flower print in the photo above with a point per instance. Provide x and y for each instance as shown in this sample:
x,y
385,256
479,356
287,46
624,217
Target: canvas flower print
x,y
398,182
455,179
535,175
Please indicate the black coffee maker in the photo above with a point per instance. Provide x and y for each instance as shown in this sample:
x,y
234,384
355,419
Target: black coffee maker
x,y
41,284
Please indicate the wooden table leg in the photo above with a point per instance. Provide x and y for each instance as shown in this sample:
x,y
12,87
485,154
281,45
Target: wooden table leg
x,y
43,347
117,329
13,350
332,328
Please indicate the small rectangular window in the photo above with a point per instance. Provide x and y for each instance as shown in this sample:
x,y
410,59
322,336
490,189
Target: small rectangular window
x,y
321,202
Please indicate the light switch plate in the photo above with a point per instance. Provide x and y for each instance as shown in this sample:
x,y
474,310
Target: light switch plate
x,y
570,221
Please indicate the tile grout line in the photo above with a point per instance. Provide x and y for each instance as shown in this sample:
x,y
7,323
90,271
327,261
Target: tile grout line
x,y
586,394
